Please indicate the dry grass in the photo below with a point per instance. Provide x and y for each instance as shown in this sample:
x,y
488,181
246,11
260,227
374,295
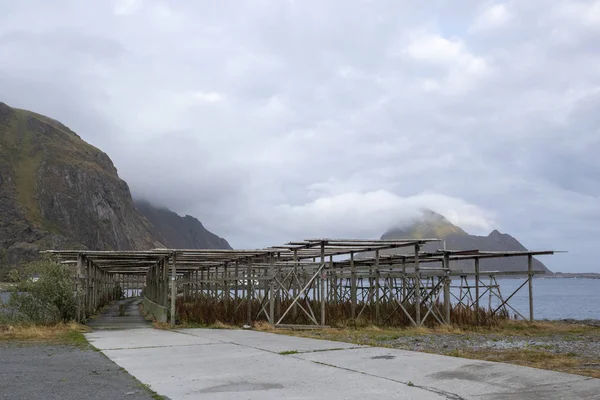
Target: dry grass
x,y
506,328
536,357
221,325
536,328
165,326
568,363
214,325
71,333
370,335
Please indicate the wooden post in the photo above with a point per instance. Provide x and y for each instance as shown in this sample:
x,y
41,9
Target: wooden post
x,y
215,284
417,287
156,283
295,283
404,292
249,294
226,287
88,284
173,289
490,290
477,290
316,291
202,283
94,287
352,287
331,296
186,286
104,287
377,297
530,273
272,296
165,282
447,304
236,286
323,275
150,283
79,285
278,289
110,288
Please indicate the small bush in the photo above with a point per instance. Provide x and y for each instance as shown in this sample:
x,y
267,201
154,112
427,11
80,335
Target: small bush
x,y
44,293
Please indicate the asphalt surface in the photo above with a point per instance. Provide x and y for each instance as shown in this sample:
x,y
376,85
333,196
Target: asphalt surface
x,y
240,364
41,371
63,373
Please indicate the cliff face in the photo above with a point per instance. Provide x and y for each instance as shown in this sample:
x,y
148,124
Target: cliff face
x,y
57,191
179,232
433,225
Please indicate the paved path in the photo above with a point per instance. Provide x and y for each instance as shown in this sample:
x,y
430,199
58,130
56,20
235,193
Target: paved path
x,y
45,371
31,371
110,319
236,364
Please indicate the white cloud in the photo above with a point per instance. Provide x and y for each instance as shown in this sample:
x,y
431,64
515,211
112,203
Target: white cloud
x,y
459,68
126,7
591,15
369,214
492,17
209,97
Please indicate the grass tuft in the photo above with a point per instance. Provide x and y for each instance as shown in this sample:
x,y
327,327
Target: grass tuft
x,y
68,334
288,352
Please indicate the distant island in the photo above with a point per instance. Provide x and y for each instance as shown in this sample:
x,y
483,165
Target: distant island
x,y
586,275
433,225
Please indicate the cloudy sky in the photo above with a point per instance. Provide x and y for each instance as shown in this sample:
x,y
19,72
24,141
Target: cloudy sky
x,y
274,120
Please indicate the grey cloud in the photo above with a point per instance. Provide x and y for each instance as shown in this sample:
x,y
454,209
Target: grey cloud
x,y
272,120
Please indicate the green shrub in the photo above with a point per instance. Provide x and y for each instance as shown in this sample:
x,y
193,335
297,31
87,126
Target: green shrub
x,y
45,293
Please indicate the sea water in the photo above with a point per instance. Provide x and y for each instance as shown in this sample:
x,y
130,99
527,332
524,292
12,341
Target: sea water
x,y
556,298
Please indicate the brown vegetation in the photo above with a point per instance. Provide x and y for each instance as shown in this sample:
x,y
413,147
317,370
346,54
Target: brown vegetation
x,y
207,311
64,333
551,358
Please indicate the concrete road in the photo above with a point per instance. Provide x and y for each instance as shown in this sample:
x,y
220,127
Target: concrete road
x,y
236,364
110,318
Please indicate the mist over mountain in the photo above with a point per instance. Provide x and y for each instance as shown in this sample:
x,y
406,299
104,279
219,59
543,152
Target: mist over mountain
x,y
433,225
179,232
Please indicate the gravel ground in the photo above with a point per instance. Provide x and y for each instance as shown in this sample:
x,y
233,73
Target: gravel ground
x,y
580,345
36,371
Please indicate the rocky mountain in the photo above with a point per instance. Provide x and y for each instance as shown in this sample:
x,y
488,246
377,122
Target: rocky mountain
x,y
57,191
179,232
433,225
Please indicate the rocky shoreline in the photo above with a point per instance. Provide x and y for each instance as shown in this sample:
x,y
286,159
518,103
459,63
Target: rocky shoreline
x,y
588,322
577,346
